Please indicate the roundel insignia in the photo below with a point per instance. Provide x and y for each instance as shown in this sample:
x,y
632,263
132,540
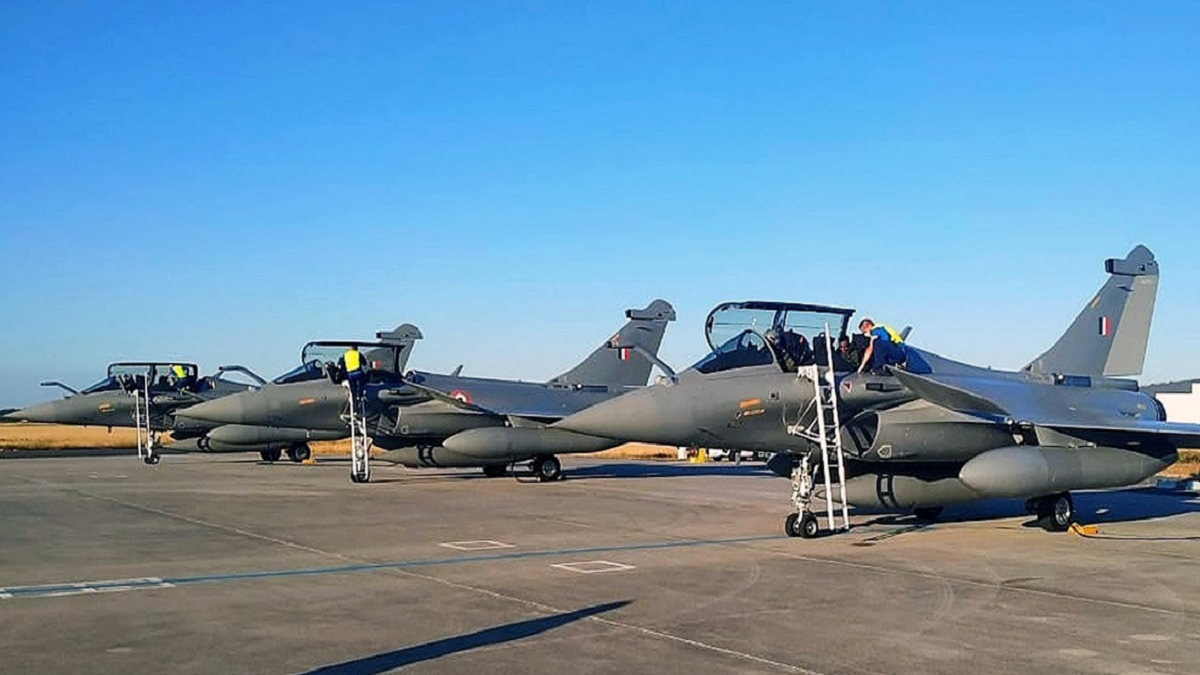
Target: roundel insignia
x,y
460,395
848,385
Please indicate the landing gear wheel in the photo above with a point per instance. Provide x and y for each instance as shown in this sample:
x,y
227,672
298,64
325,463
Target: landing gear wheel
x,y
271,455
547,468
1056,512
927,514
800,525
153,459
494,470
359,478
299,452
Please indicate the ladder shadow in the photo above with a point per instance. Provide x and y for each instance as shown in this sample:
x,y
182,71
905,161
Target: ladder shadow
x,y
429,651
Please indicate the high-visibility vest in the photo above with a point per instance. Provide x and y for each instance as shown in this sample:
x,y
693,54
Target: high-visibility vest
x,y
893,335
353,360
179,372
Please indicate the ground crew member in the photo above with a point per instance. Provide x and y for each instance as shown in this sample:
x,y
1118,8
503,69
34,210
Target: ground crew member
x,y
886,347
182,379
355,375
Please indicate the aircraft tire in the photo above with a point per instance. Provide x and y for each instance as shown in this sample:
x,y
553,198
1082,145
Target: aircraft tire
x,y
153,459
809,527
791,525
494,470
299,452
1056,512
547,468
803,525
927,514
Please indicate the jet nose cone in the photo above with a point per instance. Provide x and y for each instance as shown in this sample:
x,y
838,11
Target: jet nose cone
x,y
48,413
225,410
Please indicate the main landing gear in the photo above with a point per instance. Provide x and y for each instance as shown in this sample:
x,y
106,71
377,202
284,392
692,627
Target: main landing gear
x,y
546,468
271,455
299,452
1055,513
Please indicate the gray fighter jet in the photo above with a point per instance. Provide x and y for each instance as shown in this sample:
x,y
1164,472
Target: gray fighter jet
x,y
430,419
146,395
194,434
928,433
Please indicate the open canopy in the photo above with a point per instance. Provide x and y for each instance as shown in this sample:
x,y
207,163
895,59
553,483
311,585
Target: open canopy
x,y
318,358
750,333
156,372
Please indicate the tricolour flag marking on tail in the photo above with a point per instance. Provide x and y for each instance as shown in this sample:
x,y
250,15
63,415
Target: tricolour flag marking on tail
x,y
1105,326
624,352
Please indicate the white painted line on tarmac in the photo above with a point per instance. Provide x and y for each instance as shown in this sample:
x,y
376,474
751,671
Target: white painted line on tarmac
x,y
594,566
83,588
476,545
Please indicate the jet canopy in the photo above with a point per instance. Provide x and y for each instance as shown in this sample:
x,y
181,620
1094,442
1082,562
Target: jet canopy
x,y
321,359
158,374
760,333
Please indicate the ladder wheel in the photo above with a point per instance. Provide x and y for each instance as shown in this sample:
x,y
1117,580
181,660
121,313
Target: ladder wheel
x,y
809,527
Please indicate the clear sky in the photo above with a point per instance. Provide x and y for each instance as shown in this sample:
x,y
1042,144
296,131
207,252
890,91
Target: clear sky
x,y
223,181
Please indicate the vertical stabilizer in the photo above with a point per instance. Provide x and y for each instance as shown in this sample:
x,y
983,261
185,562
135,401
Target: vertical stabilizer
x,y
625,367
1109,337
405,335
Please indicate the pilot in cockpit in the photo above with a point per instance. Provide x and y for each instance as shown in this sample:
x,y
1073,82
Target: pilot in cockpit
x,y
792,349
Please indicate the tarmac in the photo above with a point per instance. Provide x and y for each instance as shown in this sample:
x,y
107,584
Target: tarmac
x,y
224,564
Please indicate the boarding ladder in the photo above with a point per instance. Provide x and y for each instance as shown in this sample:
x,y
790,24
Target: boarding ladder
x,y
147,437
360,441
821,425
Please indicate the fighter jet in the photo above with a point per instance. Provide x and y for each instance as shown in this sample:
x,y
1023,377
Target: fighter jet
x,y
145,395
272,441
433,420
925,434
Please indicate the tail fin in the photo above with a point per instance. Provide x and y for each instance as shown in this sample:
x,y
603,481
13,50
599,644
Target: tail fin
x,y
404,335
1109,336
625,367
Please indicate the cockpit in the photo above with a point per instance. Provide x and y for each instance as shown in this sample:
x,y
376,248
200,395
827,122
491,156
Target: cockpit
x,y
788,335
160,376
324,360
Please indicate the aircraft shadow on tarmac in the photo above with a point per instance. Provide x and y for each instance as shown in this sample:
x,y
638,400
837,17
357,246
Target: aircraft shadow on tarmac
x,y
381,663
1091,508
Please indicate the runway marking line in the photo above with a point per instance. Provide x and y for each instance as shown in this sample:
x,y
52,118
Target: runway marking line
x,y
476,545
594,567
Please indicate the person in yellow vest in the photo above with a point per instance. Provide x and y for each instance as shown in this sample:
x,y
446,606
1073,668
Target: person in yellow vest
x,y
355,374
182,379
886,347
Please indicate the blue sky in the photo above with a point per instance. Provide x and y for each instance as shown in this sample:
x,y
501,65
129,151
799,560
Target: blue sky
x,y
223,181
